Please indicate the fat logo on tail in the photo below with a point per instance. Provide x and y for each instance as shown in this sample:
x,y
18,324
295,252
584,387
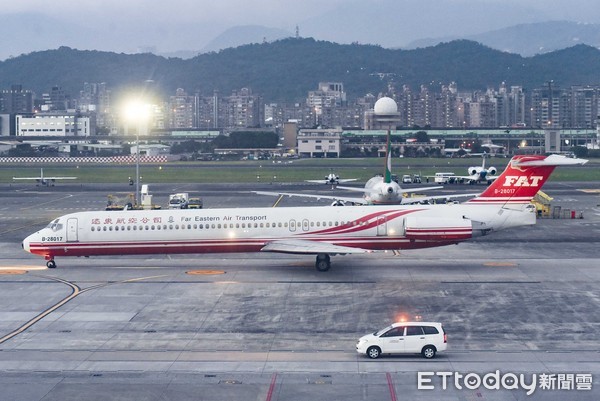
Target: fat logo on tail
x,y
522,179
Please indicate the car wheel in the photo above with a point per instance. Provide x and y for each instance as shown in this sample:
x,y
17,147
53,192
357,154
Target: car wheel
x,y
428,351
373,352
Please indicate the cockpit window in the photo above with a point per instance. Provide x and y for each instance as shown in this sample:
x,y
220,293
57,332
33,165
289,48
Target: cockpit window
x,y
54,225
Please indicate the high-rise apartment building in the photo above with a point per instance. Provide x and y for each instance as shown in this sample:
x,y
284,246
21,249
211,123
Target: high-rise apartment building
x,y
16,100
183,110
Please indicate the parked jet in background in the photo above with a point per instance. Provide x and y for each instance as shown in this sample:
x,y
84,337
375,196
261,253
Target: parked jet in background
x,y
478,174
42,180
332,179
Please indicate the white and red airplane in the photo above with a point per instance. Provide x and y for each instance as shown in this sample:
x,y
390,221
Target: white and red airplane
x,y
322,231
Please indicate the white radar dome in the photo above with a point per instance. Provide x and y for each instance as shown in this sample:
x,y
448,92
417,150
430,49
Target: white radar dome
x,y
385,105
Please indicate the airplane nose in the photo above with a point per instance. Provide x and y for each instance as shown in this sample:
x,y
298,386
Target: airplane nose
x,y
25,244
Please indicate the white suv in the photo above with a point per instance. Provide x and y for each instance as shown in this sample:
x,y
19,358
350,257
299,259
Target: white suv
x,y
425,338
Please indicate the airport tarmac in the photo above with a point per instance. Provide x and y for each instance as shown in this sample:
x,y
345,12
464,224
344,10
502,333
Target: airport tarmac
x,y
270,327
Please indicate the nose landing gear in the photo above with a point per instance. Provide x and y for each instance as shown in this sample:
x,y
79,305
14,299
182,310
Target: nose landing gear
x,y
50,263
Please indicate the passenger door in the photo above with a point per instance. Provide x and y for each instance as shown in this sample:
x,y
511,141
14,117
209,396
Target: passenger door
x,y
415,339
72,230
392,341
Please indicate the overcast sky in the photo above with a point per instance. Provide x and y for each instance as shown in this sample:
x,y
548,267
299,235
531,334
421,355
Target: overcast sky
x,y
172,25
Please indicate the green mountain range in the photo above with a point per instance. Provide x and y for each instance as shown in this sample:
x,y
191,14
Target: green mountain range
x,y
287,69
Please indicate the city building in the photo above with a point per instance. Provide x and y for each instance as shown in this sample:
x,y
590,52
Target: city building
x,y
61,124
319,142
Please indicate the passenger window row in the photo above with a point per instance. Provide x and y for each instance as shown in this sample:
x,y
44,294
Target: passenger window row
x,y
213,226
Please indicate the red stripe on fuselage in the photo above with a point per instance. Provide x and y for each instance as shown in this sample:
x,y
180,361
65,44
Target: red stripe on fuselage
x,y
216,246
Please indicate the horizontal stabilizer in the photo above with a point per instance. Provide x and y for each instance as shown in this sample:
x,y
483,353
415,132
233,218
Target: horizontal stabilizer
x,y
552,160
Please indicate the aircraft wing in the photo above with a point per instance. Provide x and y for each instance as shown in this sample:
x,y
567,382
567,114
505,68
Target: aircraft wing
x,y
375,191
355,189
417,189
44,178
60,178
308,247
475,177
360,201
428,198
324,181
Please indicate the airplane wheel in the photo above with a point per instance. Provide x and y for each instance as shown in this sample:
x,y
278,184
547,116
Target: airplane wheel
x,y
51,264
323,262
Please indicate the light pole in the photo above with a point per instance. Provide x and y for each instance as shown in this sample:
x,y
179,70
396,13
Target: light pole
x,y
137,112
137,168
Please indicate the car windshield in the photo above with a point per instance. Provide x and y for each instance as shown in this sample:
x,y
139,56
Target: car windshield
x,y
380,332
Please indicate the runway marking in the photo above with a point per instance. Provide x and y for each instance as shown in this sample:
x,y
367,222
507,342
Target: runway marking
x,y
271,387
204,272
7,272
590,191
391,387
278,200
45,221
500,264
45,203
75,291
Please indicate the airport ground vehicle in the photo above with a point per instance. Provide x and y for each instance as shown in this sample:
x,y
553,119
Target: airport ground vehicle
x,y
444,178
416,179
115,203
179,201
425,338
406,179
195,203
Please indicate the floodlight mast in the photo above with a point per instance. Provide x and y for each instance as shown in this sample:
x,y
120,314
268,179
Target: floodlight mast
x,y
137,112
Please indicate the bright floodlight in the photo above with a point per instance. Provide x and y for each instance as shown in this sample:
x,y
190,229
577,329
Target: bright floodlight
x,y
136,111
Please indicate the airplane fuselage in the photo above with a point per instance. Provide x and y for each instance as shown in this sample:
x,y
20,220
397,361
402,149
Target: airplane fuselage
x,y
250,229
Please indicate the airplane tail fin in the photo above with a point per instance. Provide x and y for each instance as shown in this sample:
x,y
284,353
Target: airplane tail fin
x,y
522,179
387,177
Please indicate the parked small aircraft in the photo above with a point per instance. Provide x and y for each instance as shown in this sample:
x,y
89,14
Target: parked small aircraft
x,y
44,180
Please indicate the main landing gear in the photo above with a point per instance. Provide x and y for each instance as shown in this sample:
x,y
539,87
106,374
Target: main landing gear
x,y
323,262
